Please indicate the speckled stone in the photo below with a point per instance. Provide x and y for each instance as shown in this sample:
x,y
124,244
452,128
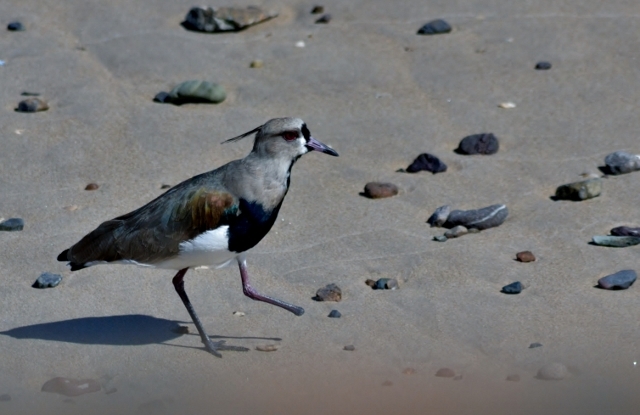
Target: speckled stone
x,y
582,190
513,288
71,387
427,162
625,231
485,143
525,256
616,241
439,217
225,19
621,280
377,190
553,371
331,292
456,232
543,66
47,280
32,105
435,27
621,162
334,314
481,219
445,372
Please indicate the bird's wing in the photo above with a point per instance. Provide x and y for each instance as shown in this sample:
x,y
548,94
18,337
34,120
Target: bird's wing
x,y
154,232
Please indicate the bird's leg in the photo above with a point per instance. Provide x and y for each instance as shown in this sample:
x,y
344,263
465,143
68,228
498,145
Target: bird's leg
x,y
250,292
178,283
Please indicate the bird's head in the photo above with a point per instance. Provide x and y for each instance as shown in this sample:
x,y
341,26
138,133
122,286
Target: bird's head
x,y
285,137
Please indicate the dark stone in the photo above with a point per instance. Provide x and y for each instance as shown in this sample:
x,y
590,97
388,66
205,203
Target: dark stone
x,y
534,345
71,387
439,217
349,348
525,256
317,10
30,94
621,162
513,288
32,105
480,219
162,97
334,314
445,372
329,293
485,143
224,19
47,280
428,162
324,19
435,27
376,190
92,186
5,397
543,66
386,284
165,186
625,231
15,27
12,225
621,280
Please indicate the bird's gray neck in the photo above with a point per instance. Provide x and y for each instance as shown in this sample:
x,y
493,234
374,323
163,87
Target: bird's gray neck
x,y
266,179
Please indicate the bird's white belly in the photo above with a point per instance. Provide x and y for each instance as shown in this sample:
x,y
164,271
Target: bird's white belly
x,y
210,248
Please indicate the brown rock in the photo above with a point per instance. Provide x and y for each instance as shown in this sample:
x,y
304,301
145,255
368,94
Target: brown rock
x,y
71,387
377,190
445,372
92,186
525,256
329,293
317,10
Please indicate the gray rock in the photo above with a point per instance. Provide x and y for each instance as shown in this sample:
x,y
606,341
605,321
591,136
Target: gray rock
x,y
535,345
484,218
582,190
439,217
334,314
485,143
387,284
329,293
428,162
616,241
317,9
625,231
440,238
513,288
47,280
32,105
621,162
553,371
194,92
12,225
621,280
456,232
225,19
435,27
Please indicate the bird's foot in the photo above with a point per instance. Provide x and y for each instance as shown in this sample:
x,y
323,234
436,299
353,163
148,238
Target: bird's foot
x,y
215,347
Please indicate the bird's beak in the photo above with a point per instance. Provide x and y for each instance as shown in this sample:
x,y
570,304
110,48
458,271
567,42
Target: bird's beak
x,y
316,145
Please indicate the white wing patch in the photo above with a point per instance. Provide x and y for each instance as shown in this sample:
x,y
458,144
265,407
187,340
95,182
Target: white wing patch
x,y
209,248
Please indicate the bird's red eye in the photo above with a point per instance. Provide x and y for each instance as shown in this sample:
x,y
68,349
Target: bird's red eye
x,y
290,135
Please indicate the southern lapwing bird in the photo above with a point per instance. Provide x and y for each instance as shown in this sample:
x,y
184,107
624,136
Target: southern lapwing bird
x,y
210,219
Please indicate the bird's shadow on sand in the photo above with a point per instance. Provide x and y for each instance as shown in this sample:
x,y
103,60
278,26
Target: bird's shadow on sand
x,y
123,330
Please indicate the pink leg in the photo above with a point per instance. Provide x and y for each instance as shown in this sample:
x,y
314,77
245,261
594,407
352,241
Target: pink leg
x,y
253,294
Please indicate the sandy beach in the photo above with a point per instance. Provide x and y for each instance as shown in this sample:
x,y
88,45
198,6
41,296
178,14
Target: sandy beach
x,y
369,86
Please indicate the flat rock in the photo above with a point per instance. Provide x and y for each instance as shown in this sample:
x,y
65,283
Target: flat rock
x,y
485,143
439,217
329,293
71,387
543,66
378,190
525,256
427,162
32,105
621,280
225,19
621,162
616,241
582,190
47,280
456,232
445,372
625,231
194,92
334,314
513,288
553,371
435,27
480,219
12,225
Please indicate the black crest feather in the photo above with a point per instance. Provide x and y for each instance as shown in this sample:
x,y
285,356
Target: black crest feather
x,y
241,136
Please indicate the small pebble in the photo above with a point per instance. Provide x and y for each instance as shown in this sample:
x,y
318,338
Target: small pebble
x,y
613,241
387,383
484,218
47,280
324,19
71,208
513,288
525,256
409,371
377,190
165,186
371,283
582,190
5,397
439,217
349,348
456,232
256,64
625,231
386,284
30,94
543,66
239,313
513,378
507,105
552,371
15,27
32,105
12,225
440,238
329,293
435,27
621,162
621,280
267,348
71,387
485,143
428,162
334,314
445,372
317,10
534,345
92,186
